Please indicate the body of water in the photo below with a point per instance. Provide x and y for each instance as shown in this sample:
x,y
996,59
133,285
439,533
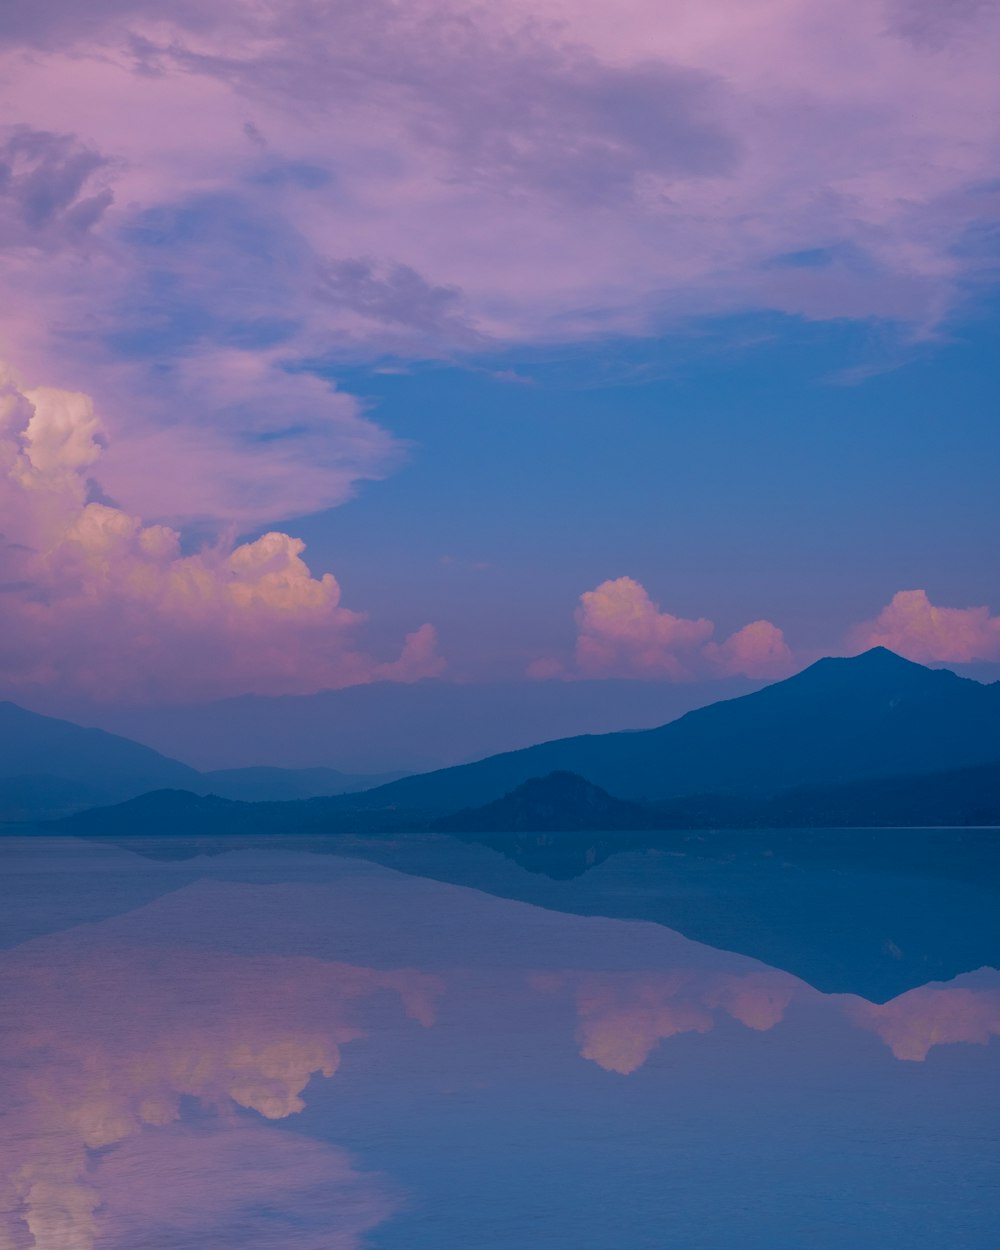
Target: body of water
x,y
277,1048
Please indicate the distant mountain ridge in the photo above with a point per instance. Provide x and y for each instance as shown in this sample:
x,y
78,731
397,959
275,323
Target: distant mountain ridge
x,y
764,757
837,721
51,767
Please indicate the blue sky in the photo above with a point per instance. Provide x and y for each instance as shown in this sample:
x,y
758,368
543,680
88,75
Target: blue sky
x,y
354,343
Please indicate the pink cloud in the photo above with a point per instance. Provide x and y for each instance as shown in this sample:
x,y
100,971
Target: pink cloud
x,y
621,632
427,177
913,626
104,603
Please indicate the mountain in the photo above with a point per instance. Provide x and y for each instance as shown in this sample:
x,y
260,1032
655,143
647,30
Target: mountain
x,y
48,766
839,720
961,797
556,803
51,767
566,803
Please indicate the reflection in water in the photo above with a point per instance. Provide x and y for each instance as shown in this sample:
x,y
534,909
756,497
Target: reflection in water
x,y
155,1075
622,1016
103,1044
930,1016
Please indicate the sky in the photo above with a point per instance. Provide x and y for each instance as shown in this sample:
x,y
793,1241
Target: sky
x,y
559,342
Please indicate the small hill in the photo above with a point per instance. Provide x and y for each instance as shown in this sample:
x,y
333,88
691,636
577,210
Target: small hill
x,y
561,802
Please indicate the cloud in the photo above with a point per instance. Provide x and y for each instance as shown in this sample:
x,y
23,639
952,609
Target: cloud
x,y
913,626
101,602
621,632
49,192
267,191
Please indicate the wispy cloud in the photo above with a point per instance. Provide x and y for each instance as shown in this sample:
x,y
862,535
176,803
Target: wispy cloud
x,y
304,181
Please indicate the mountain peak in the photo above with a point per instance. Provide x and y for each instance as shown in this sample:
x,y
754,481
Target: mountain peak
x,y
870,669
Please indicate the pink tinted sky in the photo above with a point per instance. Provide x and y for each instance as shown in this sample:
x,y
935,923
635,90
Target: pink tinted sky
x,y
221,227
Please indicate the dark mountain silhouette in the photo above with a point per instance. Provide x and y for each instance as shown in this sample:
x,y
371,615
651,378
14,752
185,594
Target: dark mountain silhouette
x,y
839,720
564,802
558,802
560,807
51,767
182,813
961,797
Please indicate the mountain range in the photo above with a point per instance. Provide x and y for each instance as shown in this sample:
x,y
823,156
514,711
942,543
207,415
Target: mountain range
x,y
51,767
838,721
873,739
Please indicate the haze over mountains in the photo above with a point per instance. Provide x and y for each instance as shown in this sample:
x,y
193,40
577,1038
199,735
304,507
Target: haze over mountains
x,y
396,727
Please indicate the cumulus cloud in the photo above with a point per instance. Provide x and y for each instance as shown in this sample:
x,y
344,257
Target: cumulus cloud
x,y
104,603
913,626
621,632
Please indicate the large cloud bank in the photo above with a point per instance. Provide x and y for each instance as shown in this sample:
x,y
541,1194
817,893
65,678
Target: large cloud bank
x,y
96,600
186,188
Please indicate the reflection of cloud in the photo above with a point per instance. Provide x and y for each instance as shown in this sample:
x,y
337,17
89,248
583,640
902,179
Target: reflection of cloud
x,y
113,606
242,1186
623,1016
932,1015
102,1047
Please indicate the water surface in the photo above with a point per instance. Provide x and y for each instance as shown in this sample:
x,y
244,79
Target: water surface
x,y
275,1049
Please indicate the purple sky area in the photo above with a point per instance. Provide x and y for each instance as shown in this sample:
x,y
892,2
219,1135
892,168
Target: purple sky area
x,y
546,344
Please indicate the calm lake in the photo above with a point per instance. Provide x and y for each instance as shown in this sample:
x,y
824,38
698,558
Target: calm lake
x,y
421,1044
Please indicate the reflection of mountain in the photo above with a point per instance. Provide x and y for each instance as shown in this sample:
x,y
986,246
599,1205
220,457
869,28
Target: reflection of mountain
x,y
871,912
